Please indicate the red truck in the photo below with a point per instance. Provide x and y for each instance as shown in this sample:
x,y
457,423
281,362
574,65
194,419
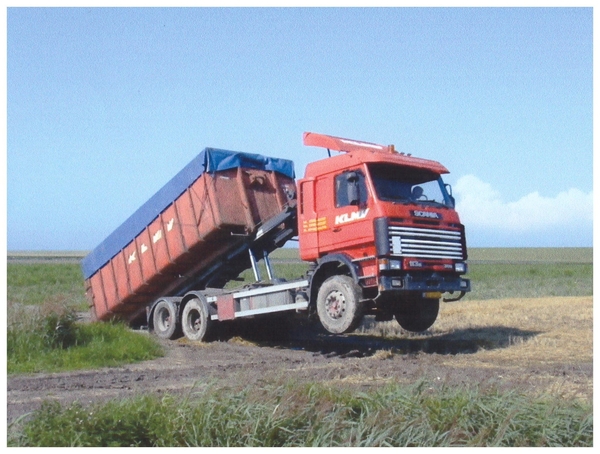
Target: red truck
x,y
377,227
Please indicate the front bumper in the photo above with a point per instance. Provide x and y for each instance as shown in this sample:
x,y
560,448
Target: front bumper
x,y
424,282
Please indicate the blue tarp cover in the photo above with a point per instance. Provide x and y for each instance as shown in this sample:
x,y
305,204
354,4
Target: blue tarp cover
x,y
209,160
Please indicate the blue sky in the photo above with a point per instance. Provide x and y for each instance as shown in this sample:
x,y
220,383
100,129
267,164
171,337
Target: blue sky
x,y
104,106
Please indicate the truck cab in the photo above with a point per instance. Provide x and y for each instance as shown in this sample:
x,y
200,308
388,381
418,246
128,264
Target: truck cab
x,y
387,221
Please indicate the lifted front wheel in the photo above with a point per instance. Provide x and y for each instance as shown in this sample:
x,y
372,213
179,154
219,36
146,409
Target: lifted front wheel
x,y
417,314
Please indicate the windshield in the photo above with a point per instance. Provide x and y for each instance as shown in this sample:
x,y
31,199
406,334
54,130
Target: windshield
x,y
408,185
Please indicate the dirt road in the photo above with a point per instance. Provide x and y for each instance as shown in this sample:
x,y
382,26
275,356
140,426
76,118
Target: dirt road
x,y
455,357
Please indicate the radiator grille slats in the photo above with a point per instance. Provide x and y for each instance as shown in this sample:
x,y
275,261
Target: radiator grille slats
x,y
426,243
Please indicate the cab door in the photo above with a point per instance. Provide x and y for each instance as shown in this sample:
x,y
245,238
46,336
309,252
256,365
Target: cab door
x,y
342,201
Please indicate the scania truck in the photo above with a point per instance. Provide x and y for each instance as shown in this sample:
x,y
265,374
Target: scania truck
x,y
377,227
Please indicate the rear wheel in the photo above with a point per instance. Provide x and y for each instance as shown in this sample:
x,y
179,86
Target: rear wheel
x,y
339,306
418,314
195,320
165,320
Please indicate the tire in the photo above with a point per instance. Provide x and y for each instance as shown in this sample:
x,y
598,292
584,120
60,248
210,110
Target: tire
x,y
339,305
195,320
165,320
418,314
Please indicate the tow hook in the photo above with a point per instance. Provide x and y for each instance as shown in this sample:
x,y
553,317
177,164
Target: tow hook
x,y
451,300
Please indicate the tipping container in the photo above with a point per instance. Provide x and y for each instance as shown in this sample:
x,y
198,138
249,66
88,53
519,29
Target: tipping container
x,y
171,242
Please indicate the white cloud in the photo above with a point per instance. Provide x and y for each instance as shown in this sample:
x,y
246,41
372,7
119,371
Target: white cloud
x,y
481,207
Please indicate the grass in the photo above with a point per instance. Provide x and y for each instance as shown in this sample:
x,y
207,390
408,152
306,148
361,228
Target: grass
x,y
35,283
504,280
49,339
520,255
292,414
522,326
43,334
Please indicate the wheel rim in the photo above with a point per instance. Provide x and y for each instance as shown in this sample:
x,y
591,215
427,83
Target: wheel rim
x,y
164,319
194,320
335,305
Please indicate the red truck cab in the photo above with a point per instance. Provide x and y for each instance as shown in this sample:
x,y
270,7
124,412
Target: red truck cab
x,y
387,220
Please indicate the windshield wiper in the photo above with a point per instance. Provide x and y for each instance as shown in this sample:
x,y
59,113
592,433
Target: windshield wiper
x,y
402,201
429,203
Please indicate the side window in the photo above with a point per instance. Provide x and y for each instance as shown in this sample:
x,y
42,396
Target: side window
x,y
350,189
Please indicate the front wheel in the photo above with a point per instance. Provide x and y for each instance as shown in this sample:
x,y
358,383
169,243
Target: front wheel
x,y
195,320
339,304
418,314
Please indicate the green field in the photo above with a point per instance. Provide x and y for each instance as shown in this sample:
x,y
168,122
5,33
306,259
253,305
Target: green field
x,y
494,273
39,283
531,255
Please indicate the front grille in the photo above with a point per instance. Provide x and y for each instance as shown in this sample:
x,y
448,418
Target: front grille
x,y
426,243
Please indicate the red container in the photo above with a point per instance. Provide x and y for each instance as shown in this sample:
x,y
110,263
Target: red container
x,y
179,237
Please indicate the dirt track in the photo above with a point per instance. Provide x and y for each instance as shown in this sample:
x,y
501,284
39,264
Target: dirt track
x,y
352,360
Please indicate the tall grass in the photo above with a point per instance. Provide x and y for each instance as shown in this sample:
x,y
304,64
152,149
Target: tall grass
x,y
291,414
49,339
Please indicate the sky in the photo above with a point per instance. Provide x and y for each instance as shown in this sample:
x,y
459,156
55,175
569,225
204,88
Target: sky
x,y
105,105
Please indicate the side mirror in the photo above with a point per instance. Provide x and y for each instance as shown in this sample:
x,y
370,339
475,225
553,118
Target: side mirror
x,y
450,196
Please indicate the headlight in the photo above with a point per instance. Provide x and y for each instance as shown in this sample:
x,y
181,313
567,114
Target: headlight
x,y
395,265
460,267
387,264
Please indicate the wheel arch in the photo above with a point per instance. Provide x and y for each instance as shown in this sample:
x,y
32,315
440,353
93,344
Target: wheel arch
x,y
190,296
196,294
331,265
